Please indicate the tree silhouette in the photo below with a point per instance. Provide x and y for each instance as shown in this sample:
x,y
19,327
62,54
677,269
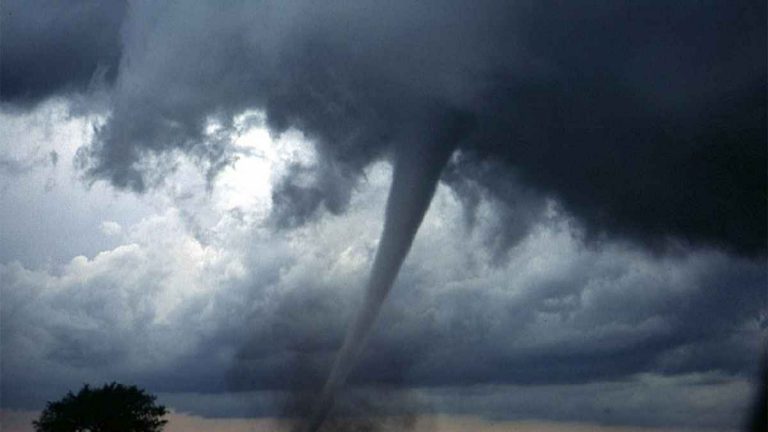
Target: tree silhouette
x,y
111,408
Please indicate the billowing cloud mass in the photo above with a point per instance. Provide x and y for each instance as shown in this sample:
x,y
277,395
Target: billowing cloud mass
x,y
645,120
55,48
594,252
195,295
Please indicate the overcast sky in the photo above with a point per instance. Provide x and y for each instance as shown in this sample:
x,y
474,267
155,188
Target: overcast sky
x,y
192,195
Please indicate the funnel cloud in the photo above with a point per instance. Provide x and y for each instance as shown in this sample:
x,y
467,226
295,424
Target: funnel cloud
x,y
419,160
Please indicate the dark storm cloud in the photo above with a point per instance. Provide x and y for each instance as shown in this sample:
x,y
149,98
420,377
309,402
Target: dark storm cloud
x,y
49,47
514,208
297,196
645,120
650,123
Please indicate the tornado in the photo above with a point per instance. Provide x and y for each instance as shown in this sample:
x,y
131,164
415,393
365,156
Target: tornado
x,y
418,161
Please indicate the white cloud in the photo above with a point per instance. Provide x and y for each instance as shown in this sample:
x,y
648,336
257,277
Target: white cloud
x,y
111,228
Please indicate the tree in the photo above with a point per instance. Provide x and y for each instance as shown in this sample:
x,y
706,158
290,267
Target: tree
x,y
111,408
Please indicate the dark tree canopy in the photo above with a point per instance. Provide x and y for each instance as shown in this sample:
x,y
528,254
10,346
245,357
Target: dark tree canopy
x,y
111,408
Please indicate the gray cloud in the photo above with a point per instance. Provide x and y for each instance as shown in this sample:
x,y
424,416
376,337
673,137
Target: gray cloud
x,y
15,167
266,311
299,194
645,121
47,215
54,48
592,124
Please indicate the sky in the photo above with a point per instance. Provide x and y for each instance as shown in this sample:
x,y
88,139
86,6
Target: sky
x,y
193,196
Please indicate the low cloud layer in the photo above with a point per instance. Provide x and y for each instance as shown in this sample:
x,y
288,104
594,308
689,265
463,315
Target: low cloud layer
x,y
203,297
